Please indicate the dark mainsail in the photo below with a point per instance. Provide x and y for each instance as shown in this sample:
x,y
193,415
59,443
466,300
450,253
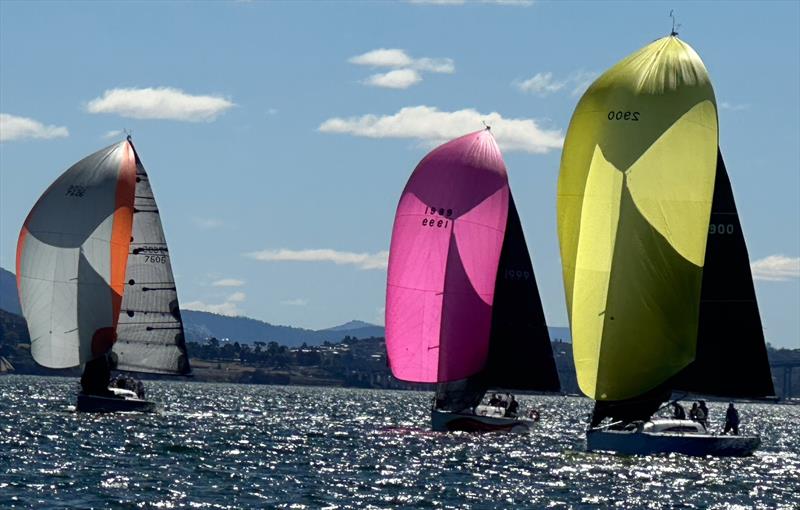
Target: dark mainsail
x,y
520,354
150,334
731,359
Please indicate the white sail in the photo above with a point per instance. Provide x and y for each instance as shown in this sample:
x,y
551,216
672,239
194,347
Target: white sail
x,y
71,258
93,270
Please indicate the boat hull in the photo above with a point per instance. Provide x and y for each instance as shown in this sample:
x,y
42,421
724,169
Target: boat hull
x,y
444,421
98,404
644,442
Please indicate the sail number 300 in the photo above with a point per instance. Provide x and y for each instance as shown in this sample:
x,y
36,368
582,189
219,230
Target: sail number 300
x,y
620,115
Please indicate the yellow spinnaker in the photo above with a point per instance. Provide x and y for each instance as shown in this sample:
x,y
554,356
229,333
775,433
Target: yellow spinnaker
x,y
634,200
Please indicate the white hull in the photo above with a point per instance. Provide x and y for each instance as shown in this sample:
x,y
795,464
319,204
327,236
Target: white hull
x,y
670,436
123,401
445,421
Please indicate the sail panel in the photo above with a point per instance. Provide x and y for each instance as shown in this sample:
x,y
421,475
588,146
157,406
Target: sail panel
x,y
731,358
520,354
634,199
65,258
445,249
150,335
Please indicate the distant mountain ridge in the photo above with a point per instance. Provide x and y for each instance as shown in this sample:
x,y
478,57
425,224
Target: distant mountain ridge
x,y
201,325
9,300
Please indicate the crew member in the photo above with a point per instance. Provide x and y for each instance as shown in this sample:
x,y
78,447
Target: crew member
x,y
731,420
512,408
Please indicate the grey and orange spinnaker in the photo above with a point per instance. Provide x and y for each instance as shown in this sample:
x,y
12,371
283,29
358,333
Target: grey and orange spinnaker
x,y
93,270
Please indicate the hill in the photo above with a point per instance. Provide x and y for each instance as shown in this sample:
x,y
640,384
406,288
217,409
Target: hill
x,y
9,300
201,325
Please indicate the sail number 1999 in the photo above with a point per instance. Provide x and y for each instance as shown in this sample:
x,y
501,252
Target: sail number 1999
x,y
442,221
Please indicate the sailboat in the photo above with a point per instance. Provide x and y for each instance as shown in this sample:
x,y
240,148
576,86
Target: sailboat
x,y
462,307
656,273
95,281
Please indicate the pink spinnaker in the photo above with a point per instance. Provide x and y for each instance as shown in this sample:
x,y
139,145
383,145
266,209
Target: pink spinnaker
x,y
446,243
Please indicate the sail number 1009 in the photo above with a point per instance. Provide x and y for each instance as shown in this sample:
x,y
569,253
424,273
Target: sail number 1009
x,y
442,221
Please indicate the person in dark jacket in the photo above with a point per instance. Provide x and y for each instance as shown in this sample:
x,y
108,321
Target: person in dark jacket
x,y
702,407
731,420
96,376
513,407
678,412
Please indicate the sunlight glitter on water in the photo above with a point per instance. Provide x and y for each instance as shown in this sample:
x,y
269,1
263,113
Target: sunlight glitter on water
x,y
233,446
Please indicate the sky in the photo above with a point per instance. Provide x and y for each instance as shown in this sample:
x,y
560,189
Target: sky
x,y
278,136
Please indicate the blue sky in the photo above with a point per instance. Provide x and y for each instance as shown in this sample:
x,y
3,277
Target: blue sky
x,y
278,140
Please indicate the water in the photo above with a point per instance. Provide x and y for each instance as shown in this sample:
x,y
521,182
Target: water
x,y
234,446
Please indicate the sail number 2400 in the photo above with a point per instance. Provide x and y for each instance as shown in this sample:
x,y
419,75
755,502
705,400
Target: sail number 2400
x,y
620,115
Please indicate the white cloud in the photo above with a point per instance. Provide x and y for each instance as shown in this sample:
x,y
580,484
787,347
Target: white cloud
x,y
406,71
227,282
397,79
377,260
582,80
382,57
159,103
733,107
545,83
114,133
295,302
23,128
776,268
430,125
541,83
237,297
207,223
229,307
435,65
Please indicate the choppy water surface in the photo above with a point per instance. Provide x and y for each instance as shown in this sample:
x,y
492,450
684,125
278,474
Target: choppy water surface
x,y
233,446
